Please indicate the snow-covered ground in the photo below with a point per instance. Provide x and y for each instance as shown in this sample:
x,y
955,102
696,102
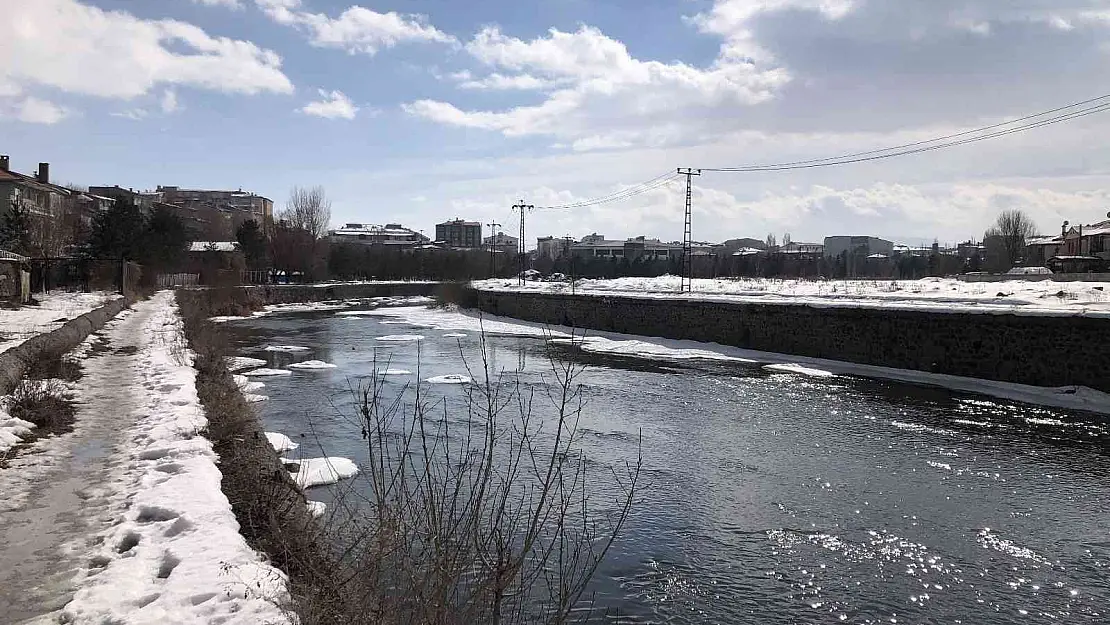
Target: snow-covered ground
x,y
653,348
53,309
1091,299
123,519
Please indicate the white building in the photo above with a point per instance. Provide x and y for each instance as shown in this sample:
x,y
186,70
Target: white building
x,y
857,246
389,235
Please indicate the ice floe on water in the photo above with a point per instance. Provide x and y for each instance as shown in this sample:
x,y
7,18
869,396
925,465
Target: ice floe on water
x,y
280,442
285,348
451,378
640,349
240,363
401,338
321,471
312,364
226,318
355,313
452,335
796,368
254,399
267,372
394,372
316,508
309,307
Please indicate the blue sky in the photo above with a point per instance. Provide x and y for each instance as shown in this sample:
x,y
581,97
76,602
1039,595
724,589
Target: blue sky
x,y
416,112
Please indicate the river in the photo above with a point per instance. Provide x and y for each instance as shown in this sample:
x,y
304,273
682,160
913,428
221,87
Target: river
x,y
770,496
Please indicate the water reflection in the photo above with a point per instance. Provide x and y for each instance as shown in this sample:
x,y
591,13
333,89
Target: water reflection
x,y
771,497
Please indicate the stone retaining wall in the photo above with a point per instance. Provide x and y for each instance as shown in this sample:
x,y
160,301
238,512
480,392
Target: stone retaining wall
x,y
15,361
1036,350
301,293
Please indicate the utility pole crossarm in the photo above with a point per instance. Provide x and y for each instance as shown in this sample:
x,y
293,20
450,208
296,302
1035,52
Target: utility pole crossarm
x,y
521,247
687,232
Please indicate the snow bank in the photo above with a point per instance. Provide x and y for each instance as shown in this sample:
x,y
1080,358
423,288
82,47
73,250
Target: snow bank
x,y
1089,299
641,349
267,372
52,310
312,364
241,363
794,368
13,431
280,442
176,556
321,471
285,348
451,378
451,319
401,338
316,508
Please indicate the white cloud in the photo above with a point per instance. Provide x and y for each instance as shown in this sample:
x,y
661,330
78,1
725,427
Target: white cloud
x,y
34,110
81,49
334,105
135,114
592,80
357,29
169,102
231,4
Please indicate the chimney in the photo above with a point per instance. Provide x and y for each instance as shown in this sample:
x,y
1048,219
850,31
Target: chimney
x,y
43,175
4,162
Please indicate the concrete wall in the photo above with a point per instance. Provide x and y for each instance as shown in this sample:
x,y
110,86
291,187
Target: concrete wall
x,y
1042,351
1055,277
294,293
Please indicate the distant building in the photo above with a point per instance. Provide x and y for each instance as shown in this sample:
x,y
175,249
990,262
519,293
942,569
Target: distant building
x,y
389,235
553,248
57,214
597,246
502,242
1079,245
234,206
801,249
34,194
459,233
858,246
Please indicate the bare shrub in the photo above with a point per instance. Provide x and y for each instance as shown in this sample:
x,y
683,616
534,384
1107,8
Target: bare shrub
x,y
473,515
54,367
45,403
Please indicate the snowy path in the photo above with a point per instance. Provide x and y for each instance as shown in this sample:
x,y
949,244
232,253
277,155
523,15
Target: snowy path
x,y
122,520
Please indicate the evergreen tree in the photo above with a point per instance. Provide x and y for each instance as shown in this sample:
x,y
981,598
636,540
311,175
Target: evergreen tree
x,y
118,232
164,240
252,241
15,230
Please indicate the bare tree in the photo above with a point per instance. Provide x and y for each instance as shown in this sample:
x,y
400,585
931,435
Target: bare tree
x,y
308,210
1009,234
772,242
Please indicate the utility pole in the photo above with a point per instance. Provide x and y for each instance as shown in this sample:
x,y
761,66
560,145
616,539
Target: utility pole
x,y
493,225
687,232
521,249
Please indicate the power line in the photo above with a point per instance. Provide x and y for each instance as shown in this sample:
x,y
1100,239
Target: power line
x,y
962,138
634,190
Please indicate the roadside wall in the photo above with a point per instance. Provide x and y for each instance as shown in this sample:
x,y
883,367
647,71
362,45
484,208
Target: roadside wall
x,y
1041,351
1055,277
14,362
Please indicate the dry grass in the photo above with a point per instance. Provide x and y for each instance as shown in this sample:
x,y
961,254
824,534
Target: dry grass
x,y
46,403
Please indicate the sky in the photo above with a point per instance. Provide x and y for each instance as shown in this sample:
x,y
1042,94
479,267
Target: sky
x,y
419,111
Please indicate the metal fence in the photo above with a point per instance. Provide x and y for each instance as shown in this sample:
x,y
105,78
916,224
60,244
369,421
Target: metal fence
x,y
172,280
84,274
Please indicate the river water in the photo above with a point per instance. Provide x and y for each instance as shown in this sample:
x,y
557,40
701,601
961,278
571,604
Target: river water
x,y
770,496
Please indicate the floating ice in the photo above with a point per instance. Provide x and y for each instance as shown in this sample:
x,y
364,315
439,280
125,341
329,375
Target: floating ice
x,y
316,508
312,364
795,368
280,442
451,378
267,372
285,348
240,363
321,471
394,372
452,335
254,399
401,338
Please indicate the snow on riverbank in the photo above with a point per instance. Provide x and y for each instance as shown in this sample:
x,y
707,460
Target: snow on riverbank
x,y
13,431
53,309
1090,299
654,348
176,555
